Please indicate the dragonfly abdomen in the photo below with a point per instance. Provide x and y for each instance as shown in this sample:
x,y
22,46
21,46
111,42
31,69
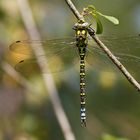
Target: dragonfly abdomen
x,y
82,92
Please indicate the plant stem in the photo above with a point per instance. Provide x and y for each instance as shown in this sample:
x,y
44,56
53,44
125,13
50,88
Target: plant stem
x,y
27,17
74,10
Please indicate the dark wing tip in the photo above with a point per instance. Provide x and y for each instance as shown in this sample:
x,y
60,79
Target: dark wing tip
x,y
18,41
21,61
10,46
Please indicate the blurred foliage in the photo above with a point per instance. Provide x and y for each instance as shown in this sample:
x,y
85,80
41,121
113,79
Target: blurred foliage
x,y
112,103
109,137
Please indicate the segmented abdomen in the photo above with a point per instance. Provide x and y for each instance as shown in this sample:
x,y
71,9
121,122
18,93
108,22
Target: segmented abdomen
x,y
82,92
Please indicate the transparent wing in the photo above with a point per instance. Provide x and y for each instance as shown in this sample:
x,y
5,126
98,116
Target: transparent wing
x,y
60,54
50,46
126,49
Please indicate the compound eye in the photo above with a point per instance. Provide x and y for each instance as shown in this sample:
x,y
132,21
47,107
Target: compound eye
x,y
78,32
83,32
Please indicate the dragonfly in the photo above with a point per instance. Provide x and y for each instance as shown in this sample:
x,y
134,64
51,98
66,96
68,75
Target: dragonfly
x,y
83,48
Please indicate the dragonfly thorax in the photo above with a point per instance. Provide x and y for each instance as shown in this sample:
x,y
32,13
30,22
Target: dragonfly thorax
x,y
81,42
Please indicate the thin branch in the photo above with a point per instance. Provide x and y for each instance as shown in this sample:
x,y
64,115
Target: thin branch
x,y
74,10
91,32
29,23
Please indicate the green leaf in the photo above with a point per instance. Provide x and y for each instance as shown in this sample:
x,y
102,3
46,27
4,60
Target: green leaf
x,y
110,18
91,10
99,28
92,7
110,137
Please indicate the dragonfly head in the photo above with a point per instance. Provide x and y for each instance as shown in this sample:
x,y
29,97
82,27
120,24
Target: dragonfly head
x,y
81,30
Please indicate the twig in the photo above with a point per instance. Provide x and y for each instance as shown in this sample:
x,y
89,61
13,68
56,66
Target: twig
x,y
74,10
29,23
91,32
